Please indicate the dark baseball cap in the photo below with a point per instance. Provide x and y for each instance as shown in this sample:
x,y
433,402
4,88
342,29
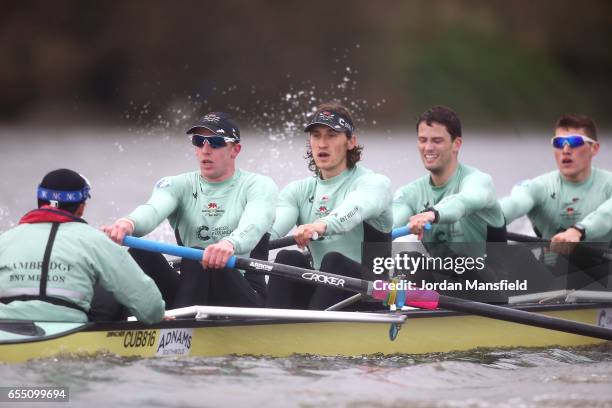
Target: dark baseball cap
x,y
221,124
334,120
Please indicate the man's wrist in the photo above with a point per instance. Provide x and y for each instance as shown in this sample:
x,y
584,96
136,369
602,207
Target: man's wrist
x,y
320,225
435,213
581,229
229,241
128,221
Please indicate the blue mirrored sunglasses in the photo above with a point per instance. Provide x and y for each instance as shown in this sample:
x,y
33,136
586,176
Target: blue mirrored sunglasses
x,y
572,141
214,141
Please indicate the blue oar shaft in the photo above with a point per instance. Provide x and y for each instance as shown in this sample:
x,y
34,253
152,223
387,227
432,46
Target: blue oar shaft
x,y
403,231
184,252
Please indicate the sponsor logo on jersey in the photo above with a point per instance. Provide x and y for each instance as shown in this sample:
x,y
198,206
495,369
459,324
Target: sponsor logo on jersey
x,y
322,211
163,183
213,210
202,233
205,232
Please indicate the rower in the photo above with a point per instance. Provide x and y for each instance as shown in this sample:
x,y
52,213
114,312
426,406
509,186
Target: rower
x,y
344,203
221,208
574,202
51,261
457,200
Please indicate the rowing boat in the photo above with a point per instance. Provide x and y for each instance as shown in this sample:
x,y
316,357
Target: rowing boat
x,y
583,319
219,331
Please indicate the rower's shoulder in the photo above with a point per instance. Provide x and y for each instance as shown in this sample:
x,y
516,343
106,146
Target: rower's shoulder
x,y
305,184
362,174
552,178
547,178
178,180
604,175
255,179
471,171
422,183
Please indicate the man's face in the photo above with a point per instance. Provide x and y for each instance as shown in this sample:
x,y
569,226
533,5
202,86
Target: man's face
x,y
329,149
574,163
216,164
437,149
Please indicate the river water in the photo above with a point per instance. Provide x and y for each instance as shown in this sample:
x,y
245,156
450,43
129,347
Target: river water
x,y
123,165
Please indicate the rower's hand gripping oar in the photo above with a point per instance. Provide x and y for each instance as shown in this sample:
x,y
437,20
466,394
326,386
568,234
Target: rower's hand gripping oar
x,y
403,231
422,299
581,247
289,240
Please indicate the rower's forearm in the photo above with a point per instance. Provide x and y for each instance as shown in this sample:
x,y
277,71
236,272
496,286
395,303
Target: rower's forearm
x,y
598,224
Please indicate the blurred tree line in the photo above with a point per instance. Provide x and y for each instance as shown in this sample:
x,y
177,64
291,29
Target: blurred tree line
x,y
496,62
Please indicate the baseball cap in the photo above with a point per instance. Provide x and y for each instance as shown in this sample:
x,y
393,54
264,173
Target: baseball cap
x,y
221,124
334,120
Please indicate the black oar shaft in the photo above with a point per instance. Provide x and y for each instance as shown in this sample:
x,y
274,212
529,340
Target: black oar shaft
x,y
310,276
513,236
581,248
281,242
522,317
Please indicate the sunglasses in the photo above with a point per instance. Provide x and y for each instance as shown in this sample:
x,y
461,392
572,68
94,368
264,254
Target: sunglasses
x,y
572,141
214,141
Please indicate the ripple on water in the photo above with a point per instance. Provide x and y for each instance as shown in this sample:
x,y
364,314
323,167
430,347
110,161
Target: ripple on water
x,y
479,378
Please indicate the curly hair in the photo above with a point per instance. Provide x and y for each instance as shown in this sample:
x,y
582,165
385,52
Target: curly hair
x,y
352,156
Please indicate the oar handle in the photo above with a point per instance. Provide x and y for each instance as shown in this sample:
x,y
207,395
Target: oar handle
x,y
184,252
289,240
403,231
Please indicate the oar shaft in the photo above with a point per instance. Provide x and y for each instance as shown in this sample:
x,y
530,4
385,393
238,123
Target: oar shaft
x,y
522,317
281,242
289,240
584,249
417,298
513,236
305,275
400,232
403,231
309,276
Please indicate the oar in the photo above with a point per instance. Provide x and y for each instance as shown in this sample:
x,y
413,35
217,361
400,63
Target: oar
x,y
289,240
420,298
585,249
